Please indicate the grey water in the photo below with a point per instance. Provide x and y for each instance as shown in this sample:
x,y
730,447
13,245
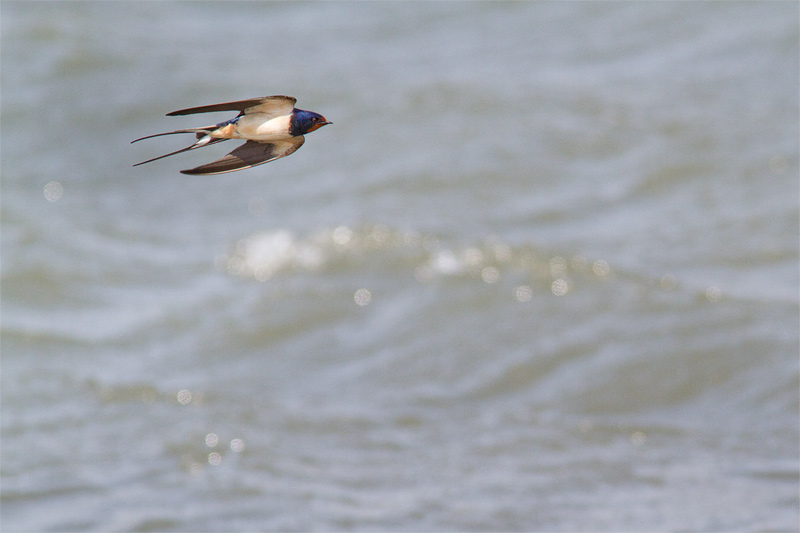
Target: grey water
x,y
541,273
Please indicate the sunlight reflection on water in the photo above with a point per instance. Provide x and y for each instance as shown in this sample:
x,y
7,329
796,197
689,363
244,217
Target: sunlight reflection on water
x,y
266,254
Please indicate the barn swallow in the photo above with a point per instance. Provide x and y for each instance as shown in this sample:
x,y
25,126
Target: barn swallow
x,y
272,127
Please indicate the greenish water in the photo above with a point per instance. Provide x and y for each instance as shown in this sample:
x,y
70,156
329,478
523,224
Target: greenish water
x,y
540,274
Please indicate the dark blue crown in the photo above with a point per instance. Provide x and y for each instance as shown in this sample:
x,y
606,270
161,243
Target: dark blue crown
x,y
303,121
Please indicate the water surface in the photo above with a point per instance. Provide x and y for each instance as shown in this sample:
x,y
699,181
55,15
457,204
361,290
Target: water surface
x,y
540,274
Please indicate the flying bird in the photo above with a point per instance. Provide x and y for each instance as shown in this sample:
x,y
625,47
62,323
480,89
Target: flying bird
x,y
271,125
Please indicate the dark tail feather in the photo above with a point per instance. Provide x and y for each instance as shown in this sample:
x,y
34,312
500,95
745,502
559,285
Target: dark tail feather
x,y
204,141
204,131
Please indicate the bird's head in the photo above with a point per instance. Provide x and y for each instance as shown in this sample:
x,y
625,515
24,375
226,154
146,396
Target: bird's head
x,y
303,122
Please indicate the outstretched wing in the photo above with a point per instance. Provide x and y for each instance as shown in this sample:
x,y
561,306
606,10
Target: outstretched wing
x,y
274,106
248,155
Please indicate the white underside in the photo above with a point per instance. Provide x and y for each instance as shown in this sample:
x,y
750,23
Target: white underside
x,y
257,127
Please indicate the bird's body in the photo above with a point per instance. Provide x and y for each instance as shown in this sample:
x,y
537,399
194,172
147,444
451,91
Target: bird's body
x,y
272,127
256,127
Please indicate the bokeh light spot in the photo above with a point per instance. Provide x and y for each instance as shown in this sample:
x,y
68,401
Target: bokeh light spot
x,y
237,445
523,293
558,265
638,438
362,297
379,235
214,459
578,263
601,268
184,397
559,287
53,191
713,294
212,440
490,274
342,235
446,262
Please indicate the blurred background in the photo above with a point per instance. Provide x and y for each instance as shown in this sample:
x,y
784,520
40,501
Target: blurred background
x,y
540,274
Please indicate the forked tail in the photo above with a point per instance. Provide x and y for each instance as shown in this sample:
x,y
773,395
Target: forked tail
x,y
199,131
203,139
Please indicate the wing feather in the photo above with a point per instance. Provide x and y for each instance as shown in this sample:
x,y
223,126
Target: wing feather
x,y
272,105
248,155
